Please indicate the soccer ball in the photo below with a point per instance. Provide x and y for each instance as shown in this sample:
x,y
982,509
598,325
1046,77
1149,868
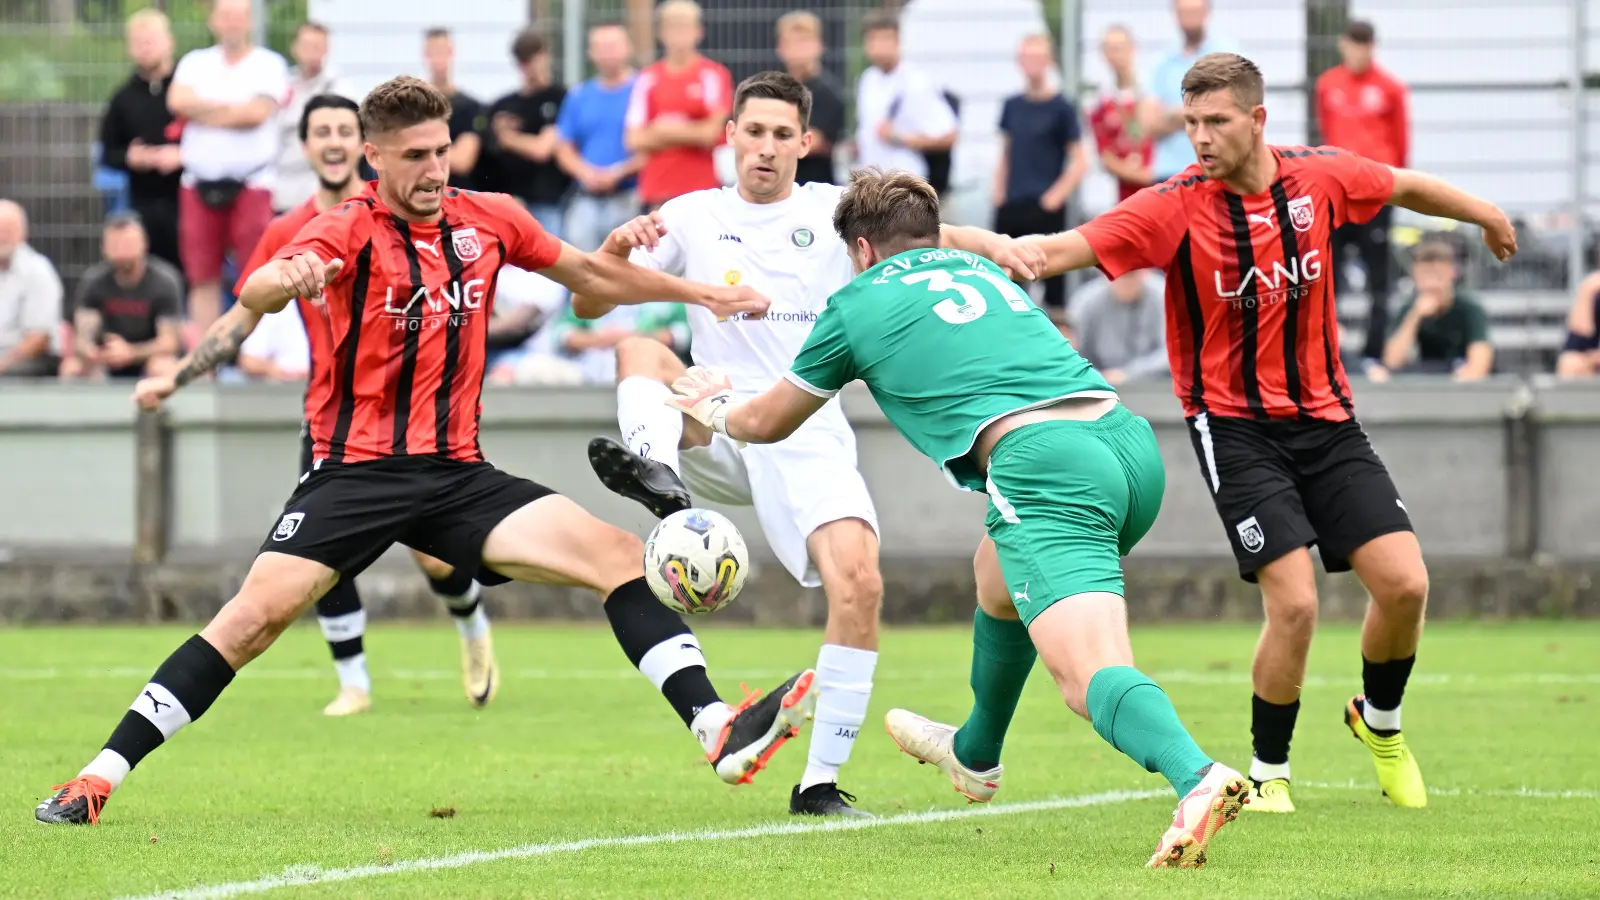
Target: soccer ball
x,y
695,561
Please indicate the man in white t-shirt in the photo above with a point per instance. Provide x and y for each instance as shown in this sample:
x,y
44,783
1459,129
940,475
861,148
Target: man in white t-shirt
x,y
277,350
295,183
812,503
227,97
901,114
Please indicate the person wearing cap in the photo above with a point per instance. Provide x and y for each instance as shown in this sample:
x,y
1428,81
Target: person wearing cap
x,y
1363,108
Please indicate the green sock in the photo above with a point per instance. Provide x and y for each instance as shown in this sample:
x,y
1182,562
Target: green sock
x,y
1002,657
1134,715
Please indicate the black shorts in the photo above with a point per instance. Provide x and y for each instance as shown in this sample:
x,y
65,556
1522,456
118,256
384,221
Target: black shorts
x,y
1282,485
345,516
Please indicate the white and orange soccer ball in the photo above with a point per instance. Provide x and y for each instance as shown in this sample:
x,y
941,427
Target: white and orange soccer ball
x,y
695,561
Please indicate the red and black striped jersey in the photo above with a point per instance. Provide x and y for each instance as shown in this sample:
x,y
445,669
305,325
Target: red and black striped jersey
x,y
408,319
319,339
1252,326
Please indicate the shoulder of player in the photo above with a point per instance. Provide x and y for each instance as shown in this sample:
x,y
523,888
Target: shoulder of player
x,y
1190,180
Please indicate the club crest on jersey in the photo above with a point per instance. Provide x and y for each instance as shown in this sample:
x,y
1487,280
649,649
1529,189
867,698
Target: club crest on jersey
x,y
1301,213
1250,535
802,238
466,243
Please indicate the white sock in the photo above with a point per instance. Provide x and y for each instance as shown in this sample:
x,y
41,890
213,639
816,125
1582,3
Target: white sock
x,y
475,626
108,765
649,426
353,672
1380,719
707,724
1260,771
844,685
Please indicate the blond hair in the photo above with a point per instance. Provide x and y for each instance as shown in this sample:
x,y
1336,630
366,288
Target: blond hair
x,y
1226,71
895,211
800,21
147,17
678,7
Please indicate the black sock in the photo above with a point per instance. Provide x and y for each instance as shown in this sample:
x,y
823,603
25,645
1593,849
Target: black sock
x,y
661,647
179,693
1385,683
342,634
458,589
1271,727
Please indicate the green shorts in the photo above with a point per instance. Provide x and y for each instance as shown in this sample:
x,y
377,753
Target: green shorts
x,y
1068,500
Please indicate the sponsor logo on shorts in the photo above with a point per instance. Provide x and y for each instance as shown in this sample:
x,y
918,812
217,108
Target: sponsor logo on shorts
x,y
1250,535
288,525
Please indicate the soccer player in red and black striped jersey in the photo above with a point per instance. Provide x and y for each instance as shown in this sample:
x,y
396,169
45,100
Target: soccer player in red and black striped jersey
x,y
330,136
1244,237
407,272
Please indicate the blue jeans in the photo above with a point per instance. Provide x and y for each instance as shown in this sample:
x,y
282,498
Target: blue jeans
x,y
550,215
590,219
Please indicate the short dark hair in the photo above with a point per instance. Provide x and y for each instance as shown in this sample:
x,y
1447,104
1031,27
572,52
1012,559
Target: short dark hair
x,y
1360,31
1226,71
125,218
1433,249
326,101
401,102
774,85
895,211
879,20
528,44
437,31
309,25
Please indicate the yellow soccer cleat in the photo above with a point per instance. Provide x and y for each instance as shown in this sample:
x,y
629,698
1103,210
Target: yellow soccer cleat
x,y
480,677
1214,802
1398,773
352,701
1270,796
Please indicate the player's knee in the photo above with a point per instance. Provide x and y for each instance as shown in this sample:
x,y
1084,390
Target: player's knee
x,y
993,597
1293,609
435,569
624,561
856,592
637,355
1403,591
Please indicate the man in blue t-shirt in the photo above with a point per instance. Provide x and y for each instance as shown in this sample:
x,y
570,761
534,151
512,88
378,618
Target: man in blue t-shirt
x,y
1042,157
590,131
1164,106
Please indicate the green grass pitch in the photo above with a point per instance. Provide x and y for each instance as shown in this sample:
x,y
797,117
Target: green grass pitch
x,y
579,782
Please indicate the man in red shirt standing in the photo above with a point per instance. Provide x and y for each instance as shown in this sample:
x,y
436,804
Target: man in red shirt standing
x,y
1125,150
406,273
679,106
1364,109
1244,235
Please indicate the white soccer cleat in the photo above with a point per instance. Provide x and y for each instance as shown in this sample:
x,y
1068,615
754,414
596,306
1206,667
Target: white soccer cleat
x,y
480,677
352,701
1202,812
934,743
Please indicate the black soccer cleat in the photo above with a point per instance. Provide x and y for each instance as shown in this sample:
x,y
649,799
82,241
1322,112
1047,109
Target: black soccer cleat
x,y
78,802
633,476
760,725
824,800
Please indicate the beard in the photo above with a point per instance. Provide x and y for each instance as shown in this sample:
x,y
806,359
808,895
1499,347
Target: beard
x,y
337,186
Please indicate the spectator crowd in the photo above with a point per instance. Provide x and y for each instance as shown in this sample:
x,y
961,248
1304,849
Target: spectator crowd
x,y
210,147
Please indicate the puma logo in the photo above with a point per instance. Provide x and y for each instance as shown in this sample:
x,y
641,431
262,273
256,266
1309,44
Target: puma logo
x,y
155,705
1263,219
431,248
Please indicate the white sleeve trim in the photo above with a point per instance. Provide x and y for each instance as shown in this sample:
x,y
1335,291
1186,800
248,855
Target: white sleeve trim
x,y
808,387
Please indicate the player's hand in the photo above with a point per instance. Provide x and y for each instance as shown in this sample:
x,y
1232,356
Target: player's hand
x,y
702,394
641,231
1021,261
306,275
1500,237
149,392
724,302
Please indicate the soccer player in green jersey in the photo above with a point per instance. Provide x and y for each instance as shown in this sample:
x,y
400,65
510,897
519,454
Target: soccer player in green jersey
x,y
978,379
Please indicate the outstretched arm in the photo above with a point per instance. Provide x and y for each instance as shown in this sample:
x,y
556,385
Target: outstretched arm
x,y
1423,193
706,396
609,279
220,344
1065,251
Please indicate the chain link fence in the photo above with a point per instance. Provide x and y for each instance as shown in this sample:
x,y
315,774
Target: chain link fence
x,y
1500,99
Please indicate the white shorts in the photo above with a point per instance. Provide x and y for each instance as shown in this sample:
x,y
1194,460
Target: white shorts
x,y
797,485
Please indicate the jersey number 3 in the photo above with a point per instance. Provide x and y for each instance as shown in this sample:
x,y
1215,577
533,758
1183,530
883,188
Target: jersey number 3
x,y
968,302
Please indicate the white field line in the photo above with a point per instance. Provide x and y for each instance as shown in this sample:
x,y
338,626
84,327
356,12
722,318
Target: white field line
x,y
318,673
294,876
309,873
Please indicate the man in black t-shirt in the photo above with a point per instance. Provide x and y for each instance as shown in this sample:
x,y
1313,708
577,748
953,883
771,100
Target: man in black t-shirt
x,y
800,47
522,136
467,119
128,310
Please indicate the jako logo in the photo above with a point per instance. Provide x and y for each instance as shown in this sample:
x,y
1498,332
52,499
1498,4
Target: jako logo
x,y
1279,283
729,237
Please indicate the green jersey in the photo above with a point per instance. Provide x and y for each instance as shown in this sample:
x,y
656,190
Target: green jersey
x,y
947,344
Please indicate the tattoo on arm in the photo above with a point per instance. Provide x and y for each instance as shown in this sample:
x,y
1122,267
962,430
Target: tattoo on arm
x,y
220,345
